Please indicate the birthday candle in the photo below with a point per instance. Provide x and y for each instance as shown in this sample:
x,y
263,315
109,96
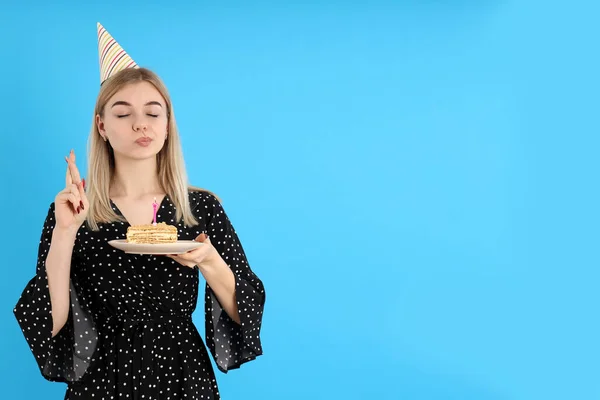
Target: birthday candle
x,y
154,206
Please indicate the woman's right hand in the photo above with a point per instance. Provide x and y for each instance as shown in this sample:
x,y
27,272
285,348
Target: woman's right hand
x,y
71,203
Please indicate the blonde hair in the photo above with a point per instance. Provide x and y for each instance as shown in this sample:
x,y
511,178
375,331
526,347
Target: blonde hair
x,y
172,175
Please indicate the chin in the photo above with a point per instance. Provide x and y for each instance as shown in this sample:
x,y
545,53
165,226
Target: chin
x,y
140,153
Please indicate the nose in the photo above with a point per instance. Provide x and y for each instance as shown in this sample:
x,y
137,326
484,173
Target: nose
x,y
140,126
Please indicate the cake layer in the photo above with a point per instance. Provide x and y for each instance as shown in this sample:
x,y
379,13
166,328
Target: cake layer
x,y
151,234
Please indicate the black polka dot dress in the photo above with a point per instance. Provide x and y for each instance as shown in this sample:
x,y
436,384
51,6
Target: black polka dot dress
x,y
130,333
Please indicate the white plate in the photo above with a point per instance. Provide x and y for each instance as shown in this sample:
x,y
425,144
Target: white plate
x,y
179,247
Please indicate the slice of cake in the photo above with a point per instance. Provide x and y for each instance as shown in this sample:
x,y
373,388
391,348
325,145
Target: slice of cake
x,y
152,234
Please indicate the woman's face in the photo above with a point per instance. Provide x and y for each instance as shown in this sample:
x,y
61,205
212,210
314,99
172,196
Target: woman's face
x,y
135,121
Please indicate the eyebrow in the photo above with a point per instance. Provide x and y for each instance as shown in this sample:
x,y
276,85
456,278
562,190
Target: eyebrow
x,y
124,103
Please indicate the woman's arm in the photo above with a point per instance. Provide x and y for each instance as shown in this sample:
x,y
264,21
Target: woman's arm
x,y
220,278
58,269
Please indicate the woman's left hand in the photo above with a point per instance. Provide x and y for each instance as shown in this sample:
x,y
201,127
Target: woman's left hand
x,y
204,254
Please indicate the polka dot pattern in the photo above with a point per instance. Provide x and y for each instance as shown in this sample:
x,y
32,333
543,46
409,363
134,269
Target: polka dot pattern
x,y
129,333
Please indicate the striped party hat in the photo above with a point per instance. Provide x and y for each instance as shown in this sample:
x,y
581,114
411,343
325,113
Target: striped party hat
x,y
112,56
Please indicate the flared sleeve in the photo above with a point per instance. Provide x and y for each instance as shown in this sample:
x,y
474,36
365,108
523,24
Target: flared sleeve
x,y
230,343
66,356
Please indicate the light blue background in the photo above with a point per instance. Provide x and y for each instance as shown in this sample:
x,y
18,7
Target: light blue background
x,y
416,182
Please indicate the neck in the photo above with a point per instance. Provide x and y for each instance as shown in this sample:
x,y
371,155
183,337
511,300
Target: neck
x,y
135,178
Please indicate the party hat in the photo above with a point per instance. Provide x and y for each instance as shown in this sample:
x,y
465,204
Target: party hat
x,y
112,56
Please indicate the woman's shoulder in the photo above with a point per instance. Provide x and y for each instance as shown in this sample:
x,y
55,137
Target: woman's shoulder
x,y
199,196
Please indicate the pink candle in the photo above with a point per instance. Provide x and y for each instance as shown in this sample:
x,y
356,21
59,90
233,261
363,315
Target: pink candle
x,y
154,206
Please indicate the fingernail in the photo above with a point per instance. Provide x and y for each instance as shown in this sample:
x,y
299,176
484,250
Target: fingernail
x,y
83,182
66,159
78,210
81,204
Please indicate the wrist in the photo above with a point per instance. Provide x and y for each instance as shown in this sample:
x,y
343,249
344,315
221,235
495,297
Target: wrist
x,y
64,234
214,261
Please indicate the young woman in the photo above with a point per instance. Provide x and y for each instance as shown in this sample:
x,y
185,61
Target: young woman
x,y
114,325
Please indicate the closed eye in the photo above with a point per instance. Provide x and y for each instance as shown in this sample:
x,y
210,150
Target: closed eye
x,y
126,115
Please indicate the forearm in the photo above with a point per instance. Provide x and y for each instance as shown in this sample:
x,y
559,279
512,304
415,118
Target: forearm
x,y
58,270
221,280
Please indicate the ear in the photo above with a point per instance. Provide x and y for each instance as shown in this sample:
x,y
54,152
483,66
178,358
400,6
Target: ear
x,y
100,125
